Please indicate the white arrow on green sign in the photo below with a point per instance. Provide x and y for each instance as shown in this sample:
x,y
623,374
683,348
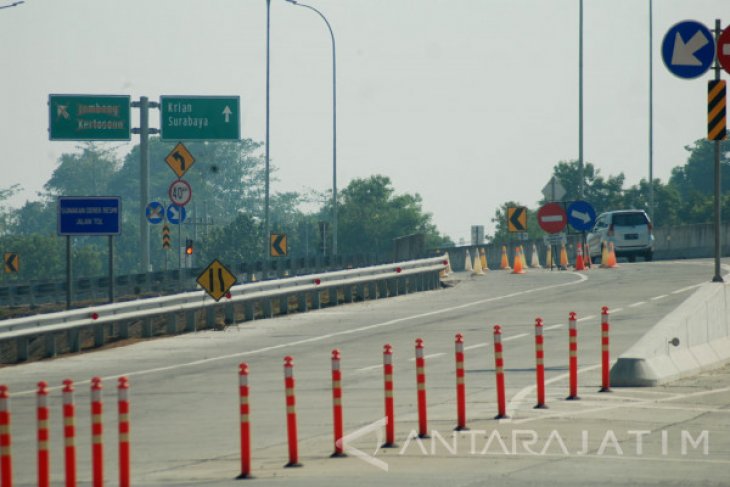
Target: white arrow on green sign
x,y
200,117
89,117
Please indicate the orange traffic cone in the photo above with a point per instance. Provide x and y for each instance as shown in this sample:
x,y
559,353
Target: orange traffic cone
x,y
587,256
563,257
549,257
467,262
604,255
483,257
579,263
477,267
518,268
535,260
504,265
611,256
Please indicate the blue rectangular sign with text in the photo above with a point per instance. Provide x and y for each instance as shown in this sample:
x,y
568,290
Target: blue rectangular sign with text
x,y
89,215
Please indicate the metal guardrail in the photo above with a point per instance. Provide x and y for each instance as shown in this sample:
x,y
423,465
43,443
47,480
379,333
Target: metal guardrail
x,y
113,321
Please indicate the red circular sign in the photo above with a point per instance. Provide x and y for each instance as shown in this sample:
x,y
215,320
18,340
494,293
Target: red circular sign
x,y
180,192
723,49
552,218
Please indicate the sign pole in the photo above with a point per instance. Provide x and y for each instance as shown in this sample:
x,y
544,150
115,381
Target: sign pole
x,y
717,277
68,272
111,269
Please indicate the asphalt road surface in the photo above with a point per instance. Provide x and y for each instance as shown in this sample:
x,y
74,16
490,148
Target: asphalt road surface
x,y
184,393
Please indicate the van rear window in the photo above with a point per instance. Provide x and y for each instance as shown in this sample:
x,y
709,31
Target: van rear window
x,y
629,219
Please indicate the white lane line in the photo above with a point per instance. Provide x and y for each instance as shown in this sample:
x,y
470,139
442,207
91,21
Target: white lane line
x,y
661,296
433,355
365,369
688,288
617,310
585,318
581,278
638,303
515,337
626,405
553,327
477,345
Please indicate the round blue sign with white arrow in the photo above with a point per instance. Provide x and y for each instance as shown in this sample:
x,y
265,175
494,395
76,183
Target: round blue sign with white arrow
x,y
176,214
581,215
155,212
688,49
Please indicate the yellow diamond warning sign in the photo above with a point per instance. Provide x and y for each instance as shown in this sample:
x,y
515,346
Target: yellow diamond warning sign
x,y
180,159
216,280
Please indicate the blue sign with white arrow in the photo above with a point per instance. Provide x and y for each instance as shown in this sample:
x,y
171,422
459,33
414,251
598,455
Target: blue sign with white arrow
x,y
581,215
176,214
155,212
688,49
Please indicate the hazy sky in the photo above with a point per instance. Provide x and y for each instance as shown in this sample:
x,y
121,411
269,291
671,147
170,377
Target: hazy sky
x,y
469,103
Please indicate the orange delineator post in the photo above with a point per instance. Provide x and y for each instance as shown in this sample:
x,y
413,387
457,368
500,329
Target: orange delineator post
x,y
69,432
6,459
421,388
43,436
573,356
460,385
499,369
243,412
337,404
124,430
389,406
539,365
605,356
97,444
291,413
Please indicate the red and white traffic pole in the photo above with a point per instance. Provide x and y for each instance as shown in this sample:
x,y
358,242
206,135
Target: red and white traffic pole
x,y
421,388
6,459
291,413
97,443
573,356
605,356
245,421
337,404
499,369
460,385
124,430
539,365
43,436
69,432
389,406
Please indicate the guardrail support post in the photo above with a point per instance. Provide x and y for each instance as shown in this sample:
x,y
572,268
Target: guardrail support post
x,y
190,319
316,303
268,306
333,298
348,294
21,349
51,349
146,327
124,329
302,302
284,305
372,290
248,313
98,336
210,317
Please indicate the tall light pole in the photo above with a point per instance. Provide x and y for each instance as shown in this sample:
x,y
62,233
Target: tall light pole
x,y
651,114
334,125
267,229
580,101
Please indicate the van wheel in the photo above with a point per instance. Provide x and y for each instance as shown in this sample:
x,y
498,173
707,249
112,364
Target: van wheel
x,y
649,256
632,258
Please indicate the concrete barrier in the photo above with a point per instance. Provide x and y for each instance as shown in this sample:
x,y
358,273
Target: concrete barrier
x,y
693,338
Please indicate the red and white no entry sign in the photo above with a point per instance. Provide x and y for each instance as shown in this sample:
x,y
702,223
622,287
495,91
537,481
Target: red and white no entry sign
x,y
723,49
180,192
552,218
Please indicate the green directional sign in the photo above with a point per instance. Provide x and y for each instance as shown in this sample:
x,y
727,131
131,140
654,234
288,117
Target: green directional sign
x,y
200,118
89,117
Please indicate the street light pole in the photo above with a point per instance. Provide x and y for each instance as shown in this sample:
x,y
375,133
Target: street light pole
x,y
334,124
267,229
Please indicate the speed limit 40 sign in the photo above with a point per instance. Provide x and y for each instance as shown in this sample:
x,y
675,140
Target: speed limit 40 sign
x,y
180,192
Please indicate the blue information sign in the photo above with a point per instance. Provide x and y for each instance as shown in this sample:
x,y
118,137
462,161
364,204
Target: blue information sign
x,y
176,214
89,215
581,215
155,212
688,49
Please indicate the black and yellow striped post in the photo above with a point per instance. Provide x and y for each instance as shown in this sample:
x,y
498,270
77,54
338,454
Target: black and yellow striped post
x,y
165,237
716,124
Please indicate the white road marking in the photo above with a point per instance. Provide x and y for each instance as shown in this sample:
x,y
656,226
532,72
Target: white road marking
x,y
585,318
477,345
661,296
688,288
433,355
515,337
553,327
638,303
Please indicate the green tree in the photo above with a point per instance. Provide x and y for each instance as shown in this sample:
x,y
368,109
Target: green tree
x,y
371,215
698,174
603,194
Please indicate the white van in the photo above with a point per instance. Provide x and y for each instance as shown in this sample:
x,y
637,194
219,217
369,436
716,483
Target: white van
x,y
629,230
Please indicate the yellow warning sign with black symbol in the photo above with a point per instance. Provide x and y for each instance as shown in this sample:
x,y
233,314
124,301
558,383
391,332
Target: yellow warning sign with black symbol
x,y
517,219
716,125
278,245
216,280
12,262
180,159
